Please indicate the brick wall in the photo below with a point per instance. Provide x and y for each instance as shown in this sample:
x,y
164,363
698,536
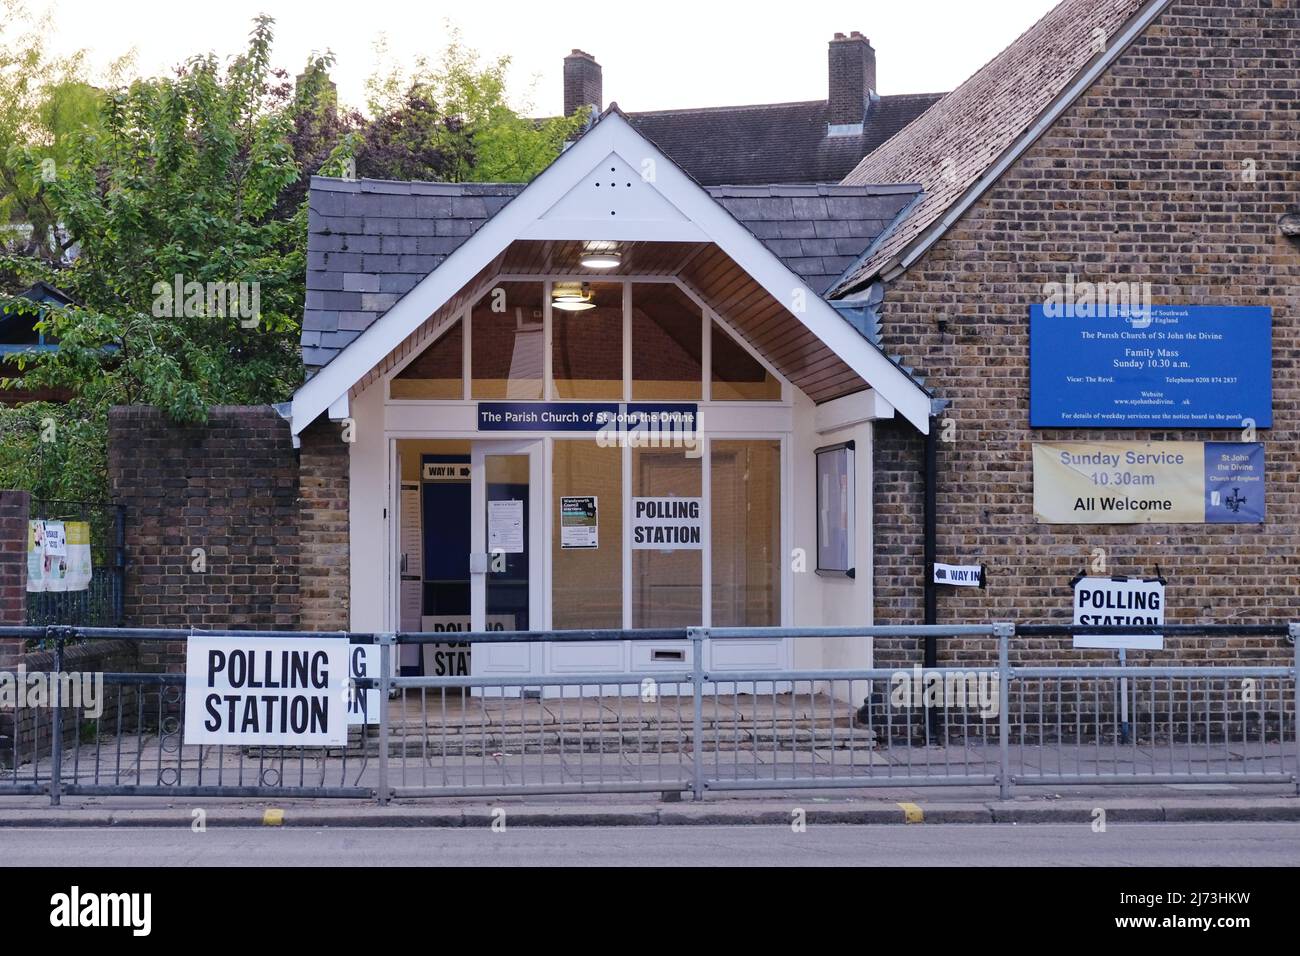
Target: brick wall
x,y
212,517
14,509
1139,180
323,564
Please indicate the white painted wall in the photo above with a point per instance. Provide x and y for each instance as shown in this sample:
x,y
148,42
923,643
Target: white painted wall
x,y
831,601
368,496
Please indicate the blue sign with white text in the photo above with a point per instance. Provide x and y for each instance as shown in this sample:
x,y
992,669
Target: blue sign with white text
x,y
1168,366
1234,482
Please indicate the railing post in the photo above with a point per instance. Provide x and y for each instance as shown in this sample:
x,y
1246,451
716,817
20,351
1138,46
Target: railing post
x,y
697,636
1004,630
56,721
386,642
1294,629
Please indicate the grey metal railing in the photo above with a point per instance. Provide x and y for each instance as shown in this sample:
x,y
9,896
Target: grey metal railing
x,y
693,728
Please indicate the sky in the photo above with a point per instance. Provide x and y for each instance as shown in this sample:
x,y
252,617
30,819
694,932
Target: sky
x,y
661,55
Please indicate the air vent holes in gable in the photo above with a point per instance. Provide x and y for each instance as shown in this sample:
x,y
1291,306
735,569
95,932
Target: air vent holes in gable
x,y
613,184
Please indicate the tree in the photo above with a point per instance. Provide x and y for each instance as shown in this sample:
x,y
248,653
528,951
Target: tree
x,y
44,104
461,109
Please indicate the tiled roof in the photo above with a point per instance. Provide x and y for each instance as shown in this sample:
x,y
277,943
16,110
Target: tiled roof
x,y
370,242
949,147
775,142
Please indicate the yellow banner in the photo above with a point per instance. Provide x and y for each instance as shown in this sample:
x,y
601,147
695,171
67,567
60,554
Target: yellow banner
x,y
1119,482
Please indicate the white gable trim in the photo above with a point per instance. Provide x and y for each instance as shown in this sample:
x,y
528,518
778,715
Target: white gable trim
x,y
697,214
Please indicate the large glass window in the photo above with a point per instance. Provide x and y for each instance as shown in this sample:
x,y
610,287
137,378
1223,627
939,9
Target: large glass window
x,y
667,538
587,337
667,342
437,372
587,544
745,480
737,375
507,343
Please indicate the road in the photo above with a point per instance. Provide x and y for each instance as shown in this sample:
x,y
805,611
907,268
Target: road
x,y
1160,844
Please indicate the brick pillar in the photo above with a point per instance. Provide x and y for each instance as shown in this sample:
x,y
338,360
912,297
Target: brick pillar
x,y
15,507
323,561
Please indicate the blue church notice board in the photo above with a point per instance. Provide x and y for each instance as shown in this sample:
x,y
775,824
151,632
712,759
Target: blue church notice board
x,y
1181,366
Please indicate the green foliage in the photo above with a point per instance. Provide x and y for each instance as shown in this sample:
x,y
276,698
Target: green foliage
x,y
182,178
461,106
54,450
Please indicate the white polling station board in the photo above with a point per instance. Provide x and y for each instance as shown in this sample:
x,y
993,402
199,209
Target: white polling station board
x,y
1105,602
268,691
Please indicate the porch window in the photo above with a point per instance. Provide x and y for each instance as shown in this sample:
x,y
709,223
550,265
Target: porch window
x,y
668,560
667,344
587,543
437,373
507,343
745,481
736,375
587,351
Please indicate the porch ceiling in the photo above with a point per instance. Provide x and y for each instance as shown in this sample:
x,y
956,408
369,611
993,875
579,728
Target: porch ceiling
x,y
766,324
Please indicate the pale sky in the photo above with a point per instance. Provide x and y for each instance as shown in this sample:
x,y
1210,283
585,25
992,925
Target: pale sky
x,y
661,55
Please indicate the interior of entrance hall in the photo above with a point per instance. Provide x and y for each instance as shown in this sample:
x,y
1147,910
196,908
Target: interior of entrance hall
x,y
595,571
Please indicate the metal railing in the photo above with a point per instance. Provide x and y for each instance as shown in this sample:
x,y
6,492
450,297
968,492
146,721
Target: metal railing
x,y
694,728
101,603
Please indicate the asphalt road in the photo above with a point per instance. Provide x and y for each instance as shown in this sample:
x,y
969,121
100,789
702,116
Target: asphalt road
x,y
1159,844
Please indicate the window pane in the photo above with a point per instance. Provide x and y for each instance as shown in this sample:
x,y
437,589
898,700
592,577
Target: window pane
x,y
436,374
506,342
587,353
667,581
737,375
746,484
667,329
587,549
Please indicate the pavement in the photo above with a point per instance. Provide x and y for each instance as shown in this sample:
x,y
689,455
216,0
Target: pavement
x,y
1120,844
1180,803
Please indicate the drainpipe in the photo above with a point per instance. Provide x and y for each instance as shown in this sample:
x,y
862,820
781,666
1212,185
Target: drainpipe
x,y
931,525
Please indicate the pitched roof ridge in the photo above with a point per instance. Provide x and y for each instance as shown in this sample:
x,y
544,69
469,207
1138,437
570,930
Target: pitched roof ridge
x,y
716,109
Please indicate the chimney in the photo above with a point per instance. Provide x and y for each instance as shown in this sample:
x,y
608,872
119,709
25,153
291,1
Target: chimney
x,y
582,86
852,62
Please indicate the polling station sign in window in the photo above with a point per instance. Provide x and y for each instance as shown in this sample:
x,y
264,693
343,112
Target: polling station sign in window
x,y
1098,365
1176,482
268,691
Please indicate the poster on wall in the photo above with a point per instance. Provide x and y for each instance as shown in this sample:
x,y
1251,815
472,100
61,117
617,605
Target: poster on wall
x,y
835,510
1149,482
579,522
1119,602
1095,363
506,526
58,556
667,524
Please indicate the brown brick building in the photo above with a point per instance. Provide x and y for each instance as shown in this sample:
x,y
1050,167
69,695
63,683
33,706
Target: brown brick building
x,y
1175,166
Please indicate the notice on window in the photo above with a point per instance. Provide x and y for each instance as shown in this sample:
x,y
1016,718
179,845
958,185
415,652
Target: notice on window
x,y
579,522
506,526
667,524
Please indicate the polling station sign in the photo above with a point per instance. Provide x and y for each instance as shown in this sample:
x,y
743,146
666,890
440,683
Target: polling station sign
x,y
1095,364
1148,482
667,524
269,691
1119,602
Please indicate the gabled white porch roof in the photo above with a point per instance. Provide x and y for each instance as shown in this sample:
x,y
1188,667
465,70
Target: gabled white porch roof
x,y
614,185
